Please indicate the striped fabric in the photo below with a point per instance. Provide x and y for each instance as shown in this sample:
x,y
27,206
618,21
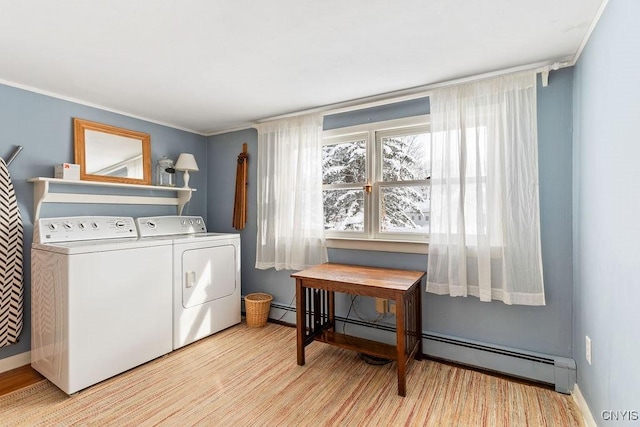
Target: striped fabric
x,y
11,287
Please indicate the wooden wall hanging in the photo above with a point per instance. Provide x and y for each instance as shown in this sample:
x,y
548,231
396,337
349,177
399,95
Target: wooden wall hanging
x,y
240,204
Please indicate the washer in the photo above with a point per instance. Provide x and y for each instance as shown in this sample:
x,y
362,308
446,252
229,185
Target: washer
x,y
101,299
206,275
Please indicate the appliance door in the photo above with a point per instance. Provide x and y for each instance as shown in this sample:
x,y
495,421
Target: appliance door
x,y
208,274
207,288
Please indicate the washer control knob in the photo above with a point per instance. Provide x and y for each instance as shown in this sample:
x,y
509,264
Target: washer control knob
x,y
198,221
67,226
52,226
183,222
82,225
152,224
95,225
120,224
191,221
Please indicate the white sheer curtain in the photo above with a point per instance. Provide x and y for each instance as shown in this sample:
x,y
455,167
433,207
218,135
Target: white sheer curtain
x,y
135,168
485,214
290,209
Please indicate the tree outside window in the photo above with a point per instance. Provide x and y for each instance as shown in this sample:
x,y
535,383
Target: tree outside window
x,y
394,164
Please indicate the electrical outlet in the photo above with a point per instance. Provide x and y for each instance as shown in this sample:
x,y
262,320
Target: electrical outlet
x,y
587,346
381,305
392,307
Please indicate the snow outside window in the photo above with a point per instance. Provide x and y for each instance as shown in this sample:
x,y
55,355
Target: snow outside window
x,y
376,180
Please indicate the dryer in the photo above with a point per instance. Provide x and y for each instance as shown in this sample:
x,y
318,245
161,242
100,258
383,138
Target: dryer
x,y
101,299
206,275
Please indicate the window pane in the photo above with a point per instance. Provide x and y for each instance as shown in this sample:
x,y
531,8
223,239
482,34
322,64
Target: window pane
x,y
406,157
344,210
404,209
344,163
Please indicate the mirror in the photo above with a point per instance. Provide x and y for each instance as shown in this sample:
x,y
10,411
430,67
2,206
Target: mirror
x,y
111,154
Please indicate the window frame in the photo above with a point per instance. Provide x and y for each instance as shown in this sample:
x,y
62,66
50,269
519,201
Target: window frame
x,y
371,238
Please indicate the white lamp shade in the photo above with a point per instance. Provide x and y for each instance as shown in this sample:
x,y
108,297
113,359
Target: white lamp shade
x,y
186,162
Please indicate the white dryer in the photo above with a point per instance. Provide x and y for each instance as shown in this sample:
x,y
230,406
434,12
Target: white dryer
x,y
101,299
206,275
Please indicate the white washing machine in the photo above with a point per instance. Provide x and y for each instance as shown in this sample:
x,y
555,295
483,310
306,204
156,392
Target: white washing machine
x,y
206,275
101,299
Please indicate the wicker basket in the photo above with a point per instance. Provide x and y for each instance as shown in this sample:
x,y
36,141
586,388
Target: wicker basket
x,y
257,308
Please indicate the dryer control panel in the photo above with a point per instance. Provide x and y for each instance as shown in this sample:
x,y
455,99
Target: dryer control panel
x,y
170,225
76,228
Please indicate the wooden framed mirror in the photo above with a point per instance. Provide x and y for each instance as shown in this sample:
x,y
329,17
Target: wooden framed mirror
x,y
111,154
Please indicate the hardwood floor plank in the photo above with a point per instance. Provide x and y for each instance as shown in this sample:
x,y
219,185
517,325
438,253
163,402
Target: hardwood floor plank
x,y
18,378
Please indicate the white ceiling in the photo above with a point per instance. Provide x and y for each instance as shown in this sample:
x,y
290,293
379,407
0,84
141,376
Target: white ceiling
x,y
209,65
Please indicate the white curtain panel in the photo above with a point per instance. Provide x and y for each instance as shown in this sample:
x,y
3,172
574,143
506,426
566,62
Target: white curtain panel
x,y
290,209
135,168
485,214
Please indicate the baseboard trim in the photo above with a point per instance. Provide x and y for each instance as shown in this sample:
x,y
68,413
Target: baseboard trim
x,y
544,368
589,421
13,362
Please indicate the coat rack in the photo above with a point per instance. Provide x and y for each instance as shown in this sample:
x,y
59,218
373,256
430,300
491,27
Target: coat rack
x,y
240,204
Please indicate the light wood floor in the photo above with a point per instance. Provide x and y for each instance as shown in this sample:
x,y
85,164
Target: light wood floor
x,y
18,378
254,369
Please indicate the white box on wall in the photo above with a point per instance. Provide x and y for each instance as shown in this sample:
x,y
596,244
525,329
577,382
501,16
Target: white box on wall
x,y
67,171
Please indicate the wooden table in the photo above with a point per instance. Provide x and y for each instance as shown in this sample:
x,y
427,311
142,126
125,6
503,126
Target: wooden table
x,y
315,310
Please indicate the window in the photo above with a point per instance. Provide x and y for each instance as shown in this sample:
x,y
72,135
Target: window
x,y
376,180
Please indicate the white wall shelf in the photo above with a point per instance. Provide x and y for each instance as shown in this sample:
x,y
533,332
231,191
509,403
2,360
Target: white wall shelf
x,y
42,194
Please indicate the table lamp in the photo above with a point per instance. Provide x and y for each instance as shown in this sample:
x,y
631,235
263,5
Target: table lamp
x,y
186,162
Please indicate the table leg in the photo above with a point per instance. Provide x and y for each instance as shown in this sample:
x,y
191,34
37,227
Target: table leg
x,y
331,295
418,317
301,327
401,343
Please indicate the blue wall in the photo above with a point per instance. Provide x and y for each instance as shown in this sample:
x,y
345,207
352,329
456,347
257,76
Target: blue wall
x,y
540,329
606,210
43,126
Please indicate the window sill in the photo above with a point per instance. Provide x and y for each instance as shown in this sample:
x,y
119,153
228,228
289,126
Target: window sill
x,y
402,246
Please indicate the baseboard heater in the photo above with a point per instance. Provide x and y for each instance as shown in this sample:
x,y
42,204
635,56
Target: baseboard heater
x,y
550,369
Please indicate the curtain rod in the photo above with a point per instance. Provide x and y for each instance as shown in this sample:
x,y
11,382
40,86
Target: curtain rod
x,y
412,93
